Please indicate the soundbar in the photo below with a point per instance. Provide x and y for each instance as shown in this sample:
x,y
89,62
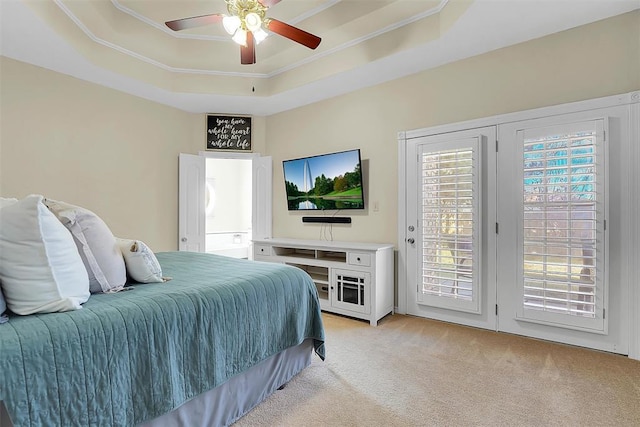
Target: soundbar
x,y
328,219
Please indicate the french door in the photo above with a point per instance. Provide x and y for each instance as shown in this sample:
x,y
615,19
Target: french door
x,y
513,236
553,246
450,244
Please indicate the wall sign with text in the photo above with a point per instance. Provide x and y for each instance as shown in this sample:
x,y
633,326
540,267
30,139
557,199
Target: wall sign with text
x,y
228,133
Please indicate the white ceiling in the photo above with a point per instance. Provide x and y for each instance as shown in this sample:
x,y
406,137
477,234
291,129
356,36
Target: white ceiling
x,y
124,45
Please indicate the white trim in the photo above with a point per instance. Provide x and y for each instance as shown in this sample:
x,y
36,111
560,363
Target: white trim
x,y
401,272
179,35
164,28
537,113
312,12
143,58
228,155
274,73
634,203
364,38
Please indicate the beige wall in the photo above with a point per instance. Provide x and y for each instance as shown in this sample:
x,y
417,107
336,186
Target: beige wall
x,y
110,152
588,62
117,154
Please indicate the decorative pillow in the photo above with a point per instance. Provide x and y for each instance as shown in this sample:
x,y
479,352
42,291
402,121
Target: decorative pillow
x,y
142,264
3,305
7,202
96,244
40,268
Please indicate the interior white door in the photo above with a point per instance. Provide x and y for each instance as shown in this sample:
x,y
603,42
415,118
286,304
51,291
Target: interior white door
x,y
191,203
262,197
449,236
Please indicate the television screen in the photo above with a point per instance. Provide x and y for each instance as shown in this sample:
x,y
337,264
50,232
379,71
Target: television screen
x,y
327,181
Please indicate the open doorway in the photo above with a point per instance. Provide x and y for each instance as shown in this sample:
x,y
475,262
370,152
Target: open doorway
x,y
224,197
228,205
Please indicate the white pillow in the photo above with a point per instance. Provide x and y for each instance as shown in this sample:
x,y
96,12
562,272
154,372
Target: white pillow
x,y
7,202
96,244
40,268
142,264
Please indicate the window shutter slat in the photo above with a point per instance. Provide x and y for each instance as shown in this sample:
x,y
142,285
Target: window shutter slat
x,y
560,211
448,221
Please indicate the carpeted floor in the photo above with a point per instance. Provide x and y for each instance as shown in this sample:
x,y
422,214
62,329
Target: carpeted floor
x,y
416,372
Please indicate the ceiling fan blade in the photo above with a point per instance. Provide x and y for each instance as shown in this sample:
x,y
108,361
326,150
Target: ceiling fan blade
x,y
293,33
196,21
248,52
268,3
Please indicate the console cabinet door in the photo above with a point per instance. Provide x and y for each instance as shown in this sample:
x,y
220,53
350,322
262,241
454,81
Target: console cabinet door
x,y
351,290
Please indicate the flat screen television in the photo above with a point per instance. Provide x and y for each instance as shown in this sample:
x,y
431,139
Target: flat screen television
x,y
324,182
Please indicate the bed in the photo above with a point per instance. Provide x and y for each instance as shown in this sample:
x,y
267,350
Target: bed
x,y
201,349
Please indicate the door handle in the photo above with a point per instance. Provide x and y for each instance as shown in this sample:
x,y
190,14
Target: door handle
x,y
411,240
183,240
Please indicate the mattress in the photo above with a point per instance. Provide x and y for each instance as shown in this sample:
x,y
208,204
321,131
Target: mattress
x,y
131,356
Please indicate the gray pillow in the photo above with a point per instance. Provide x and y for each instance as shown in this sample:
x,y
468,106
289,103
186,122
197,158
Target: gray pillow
x,y
96,244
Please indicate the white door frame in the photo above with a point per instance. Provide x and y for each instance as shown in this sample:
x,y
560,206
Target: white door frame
x,y
225,155
629,194
261,198
261,203
634,255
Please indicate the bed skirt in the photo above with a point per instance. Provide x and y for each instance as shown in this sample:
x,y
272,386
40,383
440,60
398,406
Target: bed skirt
x,y
228,402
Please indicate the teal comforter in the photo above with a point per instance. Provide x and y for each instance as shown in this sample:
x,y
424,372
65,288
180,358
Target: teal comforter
x,y
128,357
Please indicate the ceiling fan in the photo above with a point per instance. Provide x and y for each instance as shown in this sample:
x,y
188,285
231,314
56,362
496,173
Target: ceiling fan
x,y
247,22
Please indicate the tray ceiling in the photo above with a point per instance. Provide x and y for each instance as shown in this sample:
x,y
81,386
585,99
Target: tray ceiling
x,y
124,44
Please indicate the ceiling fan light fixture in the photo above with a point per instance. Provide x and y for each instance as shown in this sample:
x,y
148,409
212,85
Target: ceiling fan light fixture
x,y
240,37
260,35
248,25
231,24
253,21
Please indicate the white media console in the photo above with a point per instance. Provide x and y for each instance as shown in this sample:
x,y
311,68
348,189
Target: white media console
x,y
353,279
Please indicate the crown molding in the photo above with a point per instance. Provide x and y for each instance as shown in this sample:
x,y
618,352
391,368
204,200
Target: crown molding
x,y
308,60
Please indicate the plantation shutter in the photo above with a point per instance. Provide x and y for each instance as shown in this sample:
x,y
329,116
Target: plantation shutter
x,y
562,224
450,221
